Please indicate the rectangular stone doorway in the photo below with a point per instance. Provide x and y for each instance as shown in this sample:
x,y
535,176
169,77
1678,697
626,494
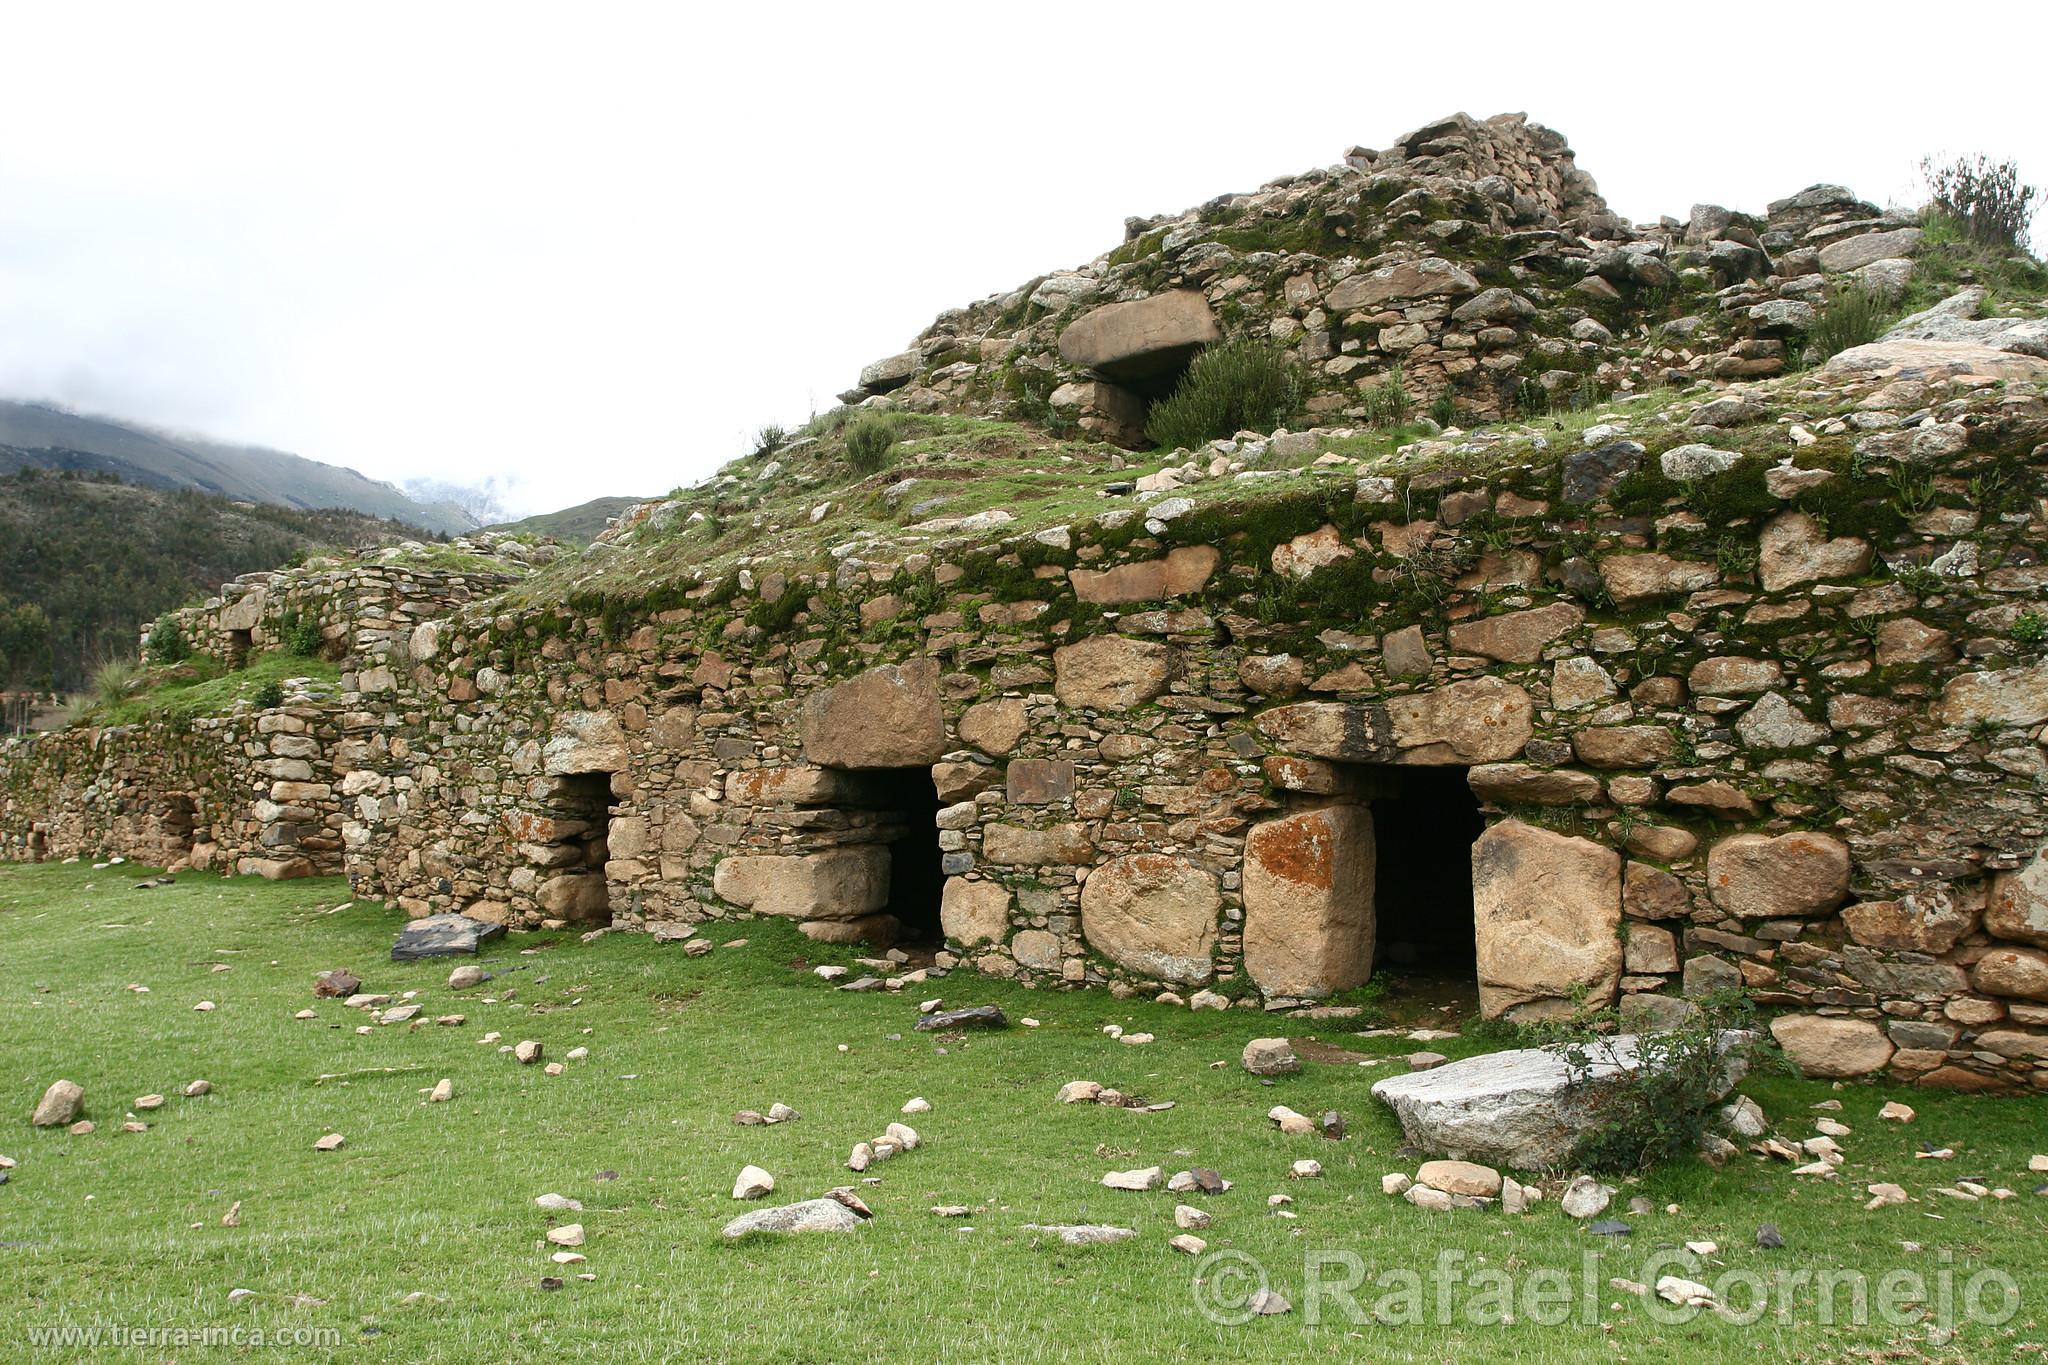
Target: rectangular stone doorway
x,y
1425,821
571,843
902,804
1368,875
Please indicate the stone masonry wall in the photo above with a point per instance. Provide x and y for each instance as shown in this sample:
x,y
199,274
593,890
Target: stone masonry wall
x,y
1749,681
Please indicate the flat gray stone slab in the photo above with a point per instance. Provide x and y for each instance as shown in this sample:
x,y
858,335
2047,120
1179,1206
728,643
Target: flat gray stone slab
x,y
812,1215
1518,1108
442,936
1083,1234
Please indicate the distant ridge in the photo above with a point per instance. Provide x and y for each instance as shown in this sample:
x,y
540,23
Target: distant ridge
x,y
43,435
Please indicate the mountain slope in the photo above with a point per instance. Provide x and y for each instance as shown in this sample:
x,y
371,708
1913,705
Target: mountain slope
x,y
84,561
578,525
36,435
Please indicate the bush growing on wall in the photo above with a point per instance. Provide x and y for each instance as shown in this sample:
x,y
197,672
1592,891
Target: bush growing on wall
x,y
1240,385
167,643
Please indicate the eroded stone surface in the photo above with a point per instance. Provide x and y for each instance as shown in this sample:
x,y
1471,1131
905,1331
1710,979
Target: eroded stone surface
x,y
1308,896
1547,914
1154,913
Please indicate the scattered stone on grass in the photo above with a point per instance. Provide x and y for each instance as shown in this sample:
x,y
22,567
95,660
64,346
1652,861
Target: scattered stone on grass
x,y
557,1203
1189,1218
1147,1178
1269,1303
1460,1177
197,1088
528,1051
1270,1057
1517,1108
60,1105
330,1143
811,1215
974,1016
1768,1238
467,975
753,1183
567,1235
443,935
1083,1234
1585,1197
337,984
1188,1244
1291,1123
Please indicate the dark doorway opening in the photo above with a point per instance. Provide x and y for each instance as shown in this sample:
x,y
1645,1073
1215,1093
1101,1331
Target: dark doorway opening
x,y
240,642
904,803
1425,821
175,825
571,847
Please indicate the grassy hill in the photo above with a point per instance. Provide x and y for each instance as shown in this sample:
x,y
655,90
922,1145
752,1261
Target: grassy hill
x,y
576,525
85,560
36,435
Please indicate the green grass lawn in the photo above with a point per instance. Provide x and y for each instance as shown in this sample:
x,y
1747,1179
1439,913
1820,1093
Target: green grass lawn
x,y
125,1229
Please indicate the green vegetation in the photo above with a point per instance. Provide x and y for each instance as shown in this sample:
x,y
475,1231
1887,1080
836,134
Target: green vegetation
x,y
115,680
1852,316
1387,403
869,439
769,439
199,687
167,643
1236,386
299,634
127,1227
1664,1113
85,560
1984,199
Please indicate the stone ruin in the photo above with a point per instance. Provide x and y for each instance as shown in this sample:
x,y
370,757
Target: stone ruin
x,y
1737,690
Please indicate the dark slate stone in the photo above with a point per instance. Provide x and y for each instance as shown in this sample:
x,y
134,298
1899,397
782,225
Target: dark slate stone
x,y
1590,474
1610,1227
1581,577
1769,1238
976,1016
1206,1180
442,936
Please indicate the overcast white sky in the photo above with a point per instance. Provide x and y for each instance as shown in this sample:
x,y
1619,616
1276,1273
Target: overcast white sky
x,y
589,248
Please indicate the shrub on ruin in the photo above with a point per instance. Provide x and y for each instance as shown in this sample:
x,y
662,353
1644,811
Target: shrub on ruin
x,y
1665,1106
1387,403
1852,316
167,643
269,696
115,680
1241,385
769,439
299,634
870,439
1984,200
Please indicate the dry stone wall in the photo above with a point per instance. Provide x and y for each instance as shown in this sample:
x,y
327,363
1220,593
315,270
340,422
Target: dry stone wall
x,y
1741,689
